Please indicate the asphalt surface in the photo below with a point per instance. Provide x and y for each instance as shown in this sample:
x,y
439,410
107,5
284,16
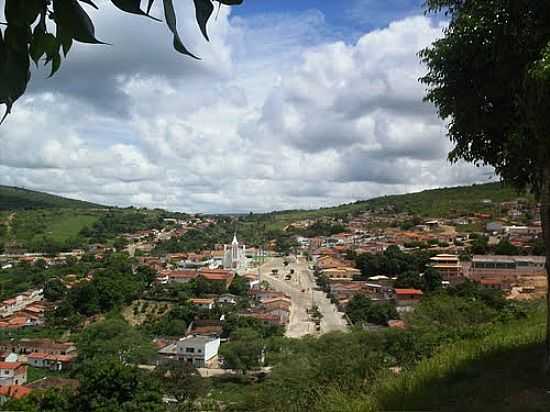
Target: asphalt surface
x,y
301,289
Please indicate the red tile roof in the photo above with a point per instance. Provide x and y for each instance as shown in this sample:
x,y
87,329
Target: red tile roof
x,y
10,365
408,292
14,391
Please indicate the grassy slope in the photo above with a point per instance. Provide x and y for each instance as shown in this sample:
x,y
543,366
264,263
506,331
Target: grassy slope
x,y
12,198
56,224
501,372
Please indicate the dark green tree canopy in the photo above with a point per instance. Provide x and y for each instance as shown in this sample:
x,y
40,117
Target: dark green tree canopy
x,y
46,29
486,77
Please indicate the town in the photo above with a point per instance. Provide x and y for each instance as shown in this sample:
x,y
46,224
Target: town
x,y
194,299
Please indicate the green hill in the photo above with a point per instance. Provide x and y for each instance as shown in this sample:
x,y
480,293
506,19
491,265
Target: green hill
x,y
444,202
14,198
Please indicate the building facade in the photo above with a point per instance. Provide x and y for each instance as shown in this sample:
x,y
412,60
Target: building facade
x,y
199,351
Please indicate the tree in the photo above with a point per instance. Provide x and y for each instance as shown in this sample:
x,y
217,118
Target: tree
x,y
244,351
52,400
54,290
181,380
114,339
504,247
432,280
480,246
489,77
109,385
27,35
239,286
409,280
362,309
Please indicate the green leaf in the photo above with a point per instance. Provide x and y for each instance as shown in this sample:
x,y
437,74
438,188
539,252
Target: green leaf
x,y
203,9
75,21
38,47
64,39
170,16
15,75
131,6
52,45
56,63
91,3
22,13
38,42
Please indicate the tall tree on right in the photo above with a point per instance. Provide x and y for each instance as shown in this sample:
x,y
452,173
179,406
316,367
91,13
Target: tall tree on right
x,y
489,77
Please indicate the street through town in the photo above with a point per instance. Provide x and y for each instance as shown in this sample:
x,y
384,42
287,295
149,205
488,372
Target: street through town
x,y
302,291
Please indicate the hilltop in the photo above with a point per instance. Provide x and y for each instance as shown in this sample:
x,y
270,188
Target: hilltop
x,y
15,198
444,203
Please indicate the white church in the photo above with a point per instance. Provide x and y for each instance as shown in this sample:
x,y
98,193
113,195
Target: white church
x,y
234,255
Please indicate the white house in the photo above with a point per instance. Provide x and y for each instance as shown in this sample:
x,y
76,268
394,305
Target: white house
x,y
227,298
12,373
199,351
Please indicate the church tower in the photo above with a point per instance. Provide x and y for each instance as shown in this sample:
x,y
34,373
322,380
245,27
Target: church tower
x,y
235,252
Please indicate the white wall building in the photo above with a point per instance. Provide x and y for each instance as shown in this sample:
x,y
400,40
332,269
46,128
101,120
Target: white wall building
x,y
13,373
200,351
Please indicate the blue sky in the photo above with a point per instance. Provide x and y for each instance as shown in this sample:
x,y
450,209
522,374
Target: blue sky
x,y
358,16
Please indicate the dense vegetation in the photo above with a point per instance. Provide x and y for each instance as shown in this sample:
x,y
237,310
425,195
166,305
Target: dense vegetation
x,y
317,373
116,222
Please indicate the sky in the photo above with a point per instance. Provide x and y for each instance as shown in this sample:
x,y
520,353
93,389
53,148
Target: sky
x,y
294,104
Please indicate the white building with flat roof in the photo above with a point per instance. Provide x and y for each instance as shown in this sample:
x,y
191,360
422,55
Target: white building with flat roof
x,y
199,351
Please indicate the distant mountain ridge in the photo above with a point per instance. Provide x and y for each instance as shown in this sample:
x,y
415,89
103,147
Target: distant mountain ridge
x,y
435,202
16,198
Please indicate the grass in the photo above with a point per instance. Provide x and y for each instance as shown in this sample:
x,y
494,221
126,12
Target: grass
x,y
14,198
34,374
69,225
58,225
501,372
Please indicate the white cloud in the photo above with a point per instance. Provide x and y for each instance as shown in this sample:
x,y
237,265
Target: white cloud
x,y
277,115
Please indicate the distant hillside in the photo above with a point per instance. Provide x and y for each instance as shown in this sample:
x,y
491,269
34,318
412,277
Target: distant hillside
x,y
446,202
14,198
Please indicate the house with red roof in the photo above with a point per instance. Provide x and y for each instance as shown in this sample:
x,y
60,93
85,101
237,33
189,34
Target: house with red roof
x,y
13,373
217,275
177,276
406,299
48,361
9,392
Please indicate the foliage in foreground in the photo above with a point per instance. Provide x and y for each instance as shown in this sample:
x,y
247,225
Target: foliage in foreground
x,y
339,371
28,36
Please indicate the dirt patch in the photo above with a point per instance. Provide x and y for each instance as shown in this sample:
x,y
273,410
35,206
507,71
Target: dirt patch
x,y
142,310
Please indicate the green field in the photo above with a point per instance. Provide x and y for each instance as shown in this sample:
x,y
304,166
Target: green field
x,y
69,226
14,198
56,224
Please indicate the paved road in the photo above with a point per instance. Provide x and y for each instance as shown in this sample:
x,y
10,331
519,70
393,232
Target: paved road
x,y
300,323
